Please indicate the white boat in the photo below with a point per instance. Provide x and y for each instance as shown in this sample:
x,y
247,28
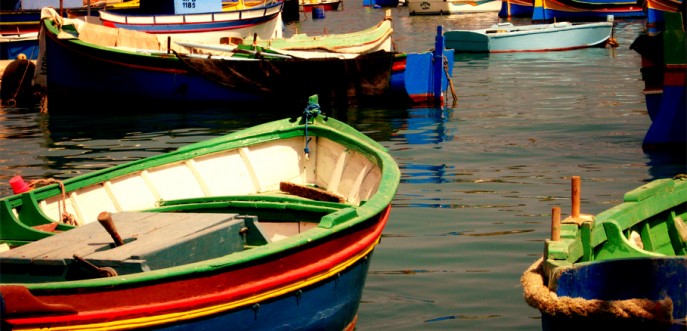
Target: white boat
x,y
506,37
448,7
204,21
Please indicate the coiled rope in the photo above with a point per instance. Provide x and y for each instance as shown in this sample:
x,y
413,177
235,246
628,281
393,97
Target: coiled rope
x,y
65,216
539,296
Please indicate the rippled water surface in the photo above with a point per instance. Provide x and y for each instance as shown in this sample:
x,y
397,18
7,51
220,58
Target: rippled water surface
x,y
479,179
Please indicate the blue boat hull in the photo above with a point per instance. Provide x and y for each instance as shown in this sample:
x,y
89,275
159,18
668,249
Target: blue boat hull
x,y
11,49
425,77
328,305
80,75
413,82
623,279
665,76
511,9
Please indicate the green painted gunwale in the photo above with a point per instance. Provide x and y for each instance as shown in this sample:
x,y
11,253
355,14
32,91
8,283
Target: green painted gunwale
x,y
340,217
649,210
170,60
156,60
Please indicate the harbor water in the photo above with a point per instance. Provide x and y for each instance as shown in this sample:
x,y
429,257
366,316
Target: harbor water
x,y
479,179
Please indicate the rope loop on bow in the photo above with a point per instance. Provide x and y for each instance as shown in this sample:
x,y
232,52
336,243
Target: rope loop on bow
x,y
65,216
312,110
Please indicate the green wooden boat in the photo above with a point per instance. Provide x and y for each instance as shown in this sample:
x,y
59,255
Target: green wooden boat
x,y
624,268
265,228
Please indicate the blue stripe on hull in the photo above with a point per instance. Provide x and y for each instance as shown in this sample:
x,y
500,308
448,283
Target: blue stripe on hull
x,y
516,10
329,305
540,14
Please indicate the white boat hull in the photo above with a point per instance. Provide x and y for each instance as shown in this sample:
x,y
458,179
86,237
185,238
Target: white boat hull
x,y
505,37
443,7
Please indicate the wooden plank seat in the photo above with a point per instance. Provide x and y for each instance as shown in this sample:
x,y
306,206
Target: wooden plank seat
x,y
151,241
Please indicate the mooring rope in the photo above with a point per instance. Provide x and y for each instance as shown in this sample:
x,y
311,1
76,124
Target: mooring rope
x,y
450,82
312,110
66,217
538,295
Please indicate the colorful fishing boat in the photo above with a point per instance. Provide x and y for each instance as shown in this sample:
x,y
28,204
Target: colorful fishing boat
x,y
208,236
585,10
506,37
200,21
20,23
624,268
80,70
20,26
451,7
516,8
227,5
376,38
664,71
654,13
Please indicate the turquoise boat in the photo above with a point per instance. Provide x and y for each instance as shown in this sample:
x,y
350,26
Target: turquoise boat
x,y
265,228
623,269
506,37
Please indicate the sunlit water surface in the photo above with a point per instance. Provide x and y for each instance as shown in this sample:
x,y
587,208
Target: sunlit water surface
x,y
479,179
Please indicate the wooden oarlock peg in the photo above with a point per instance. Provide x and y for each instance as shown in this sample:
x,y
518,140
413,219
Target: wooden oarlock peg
x,y
575,186
556,224
105,219
575,216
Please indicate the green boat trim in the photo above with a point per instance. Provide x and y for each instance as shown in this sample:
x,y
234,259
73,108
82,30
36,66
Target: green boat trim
x,y
624,266
651,210
333,217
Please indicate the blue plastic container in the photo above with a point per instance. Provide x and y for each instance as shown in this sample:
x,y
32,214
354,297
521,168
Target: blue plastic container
x,y
318,12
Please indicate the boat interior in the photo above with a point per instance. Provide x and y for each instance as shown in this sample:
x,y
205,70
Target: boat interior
x,y
219,203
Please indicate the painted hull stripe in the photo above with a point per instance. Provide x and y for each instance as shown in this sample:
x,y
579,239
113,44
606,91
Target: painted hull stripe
x,y
155,320
152,321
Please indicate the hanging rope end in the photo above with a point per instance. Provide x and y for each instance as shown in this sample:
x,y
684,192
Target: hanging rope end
x,y
311,111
